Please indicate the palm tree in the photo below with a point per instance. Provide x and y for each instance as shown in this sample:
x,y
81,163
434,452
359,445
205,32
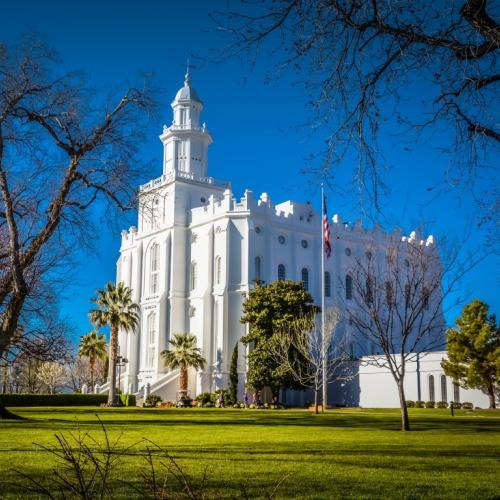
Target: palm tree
x,y
183,355
93,346
116,309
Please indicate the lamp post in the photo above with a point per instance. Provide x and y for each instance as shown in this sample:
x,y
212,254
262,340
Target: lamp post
x,y
120,361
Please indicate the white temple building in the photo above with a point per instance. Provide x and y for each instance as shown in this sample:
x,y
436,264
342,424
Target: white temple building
x,y
197,250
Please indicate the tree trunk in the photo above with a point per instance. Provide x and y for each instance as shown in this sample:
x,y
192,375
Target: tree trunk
x,y
92,368
183,380
316,401
405,421
113,348
491,395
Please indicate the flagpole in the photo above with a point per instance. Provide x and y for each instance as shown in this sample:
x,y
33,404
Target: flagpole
x,y
323,337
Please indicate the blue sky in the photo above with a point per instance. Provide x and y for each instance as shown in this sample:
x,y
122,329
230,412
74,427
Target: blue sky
x,y
260,141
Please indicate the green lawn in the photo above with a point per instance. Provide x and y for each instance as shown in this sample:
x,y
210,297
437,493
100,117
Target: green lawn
x,y
346,453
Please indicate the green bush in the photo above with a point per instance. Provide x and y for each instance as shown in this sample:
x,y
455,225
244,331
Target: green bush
x,y
457,406
75,399
410,404
467,406
419,404
128,399
153,400
442,404
430,404
206,397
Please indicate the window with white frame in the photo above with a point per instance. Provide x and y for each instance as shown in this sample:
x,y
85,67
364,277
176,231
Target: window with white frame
x,y
444,392
258,268
432,392
348,287
151,350
281,272
328,284
181,155
305,278
154,262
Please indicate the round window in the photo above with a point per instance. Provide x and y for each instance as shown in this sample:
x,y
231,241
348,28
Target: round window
x,y
281,239
304,243
348,252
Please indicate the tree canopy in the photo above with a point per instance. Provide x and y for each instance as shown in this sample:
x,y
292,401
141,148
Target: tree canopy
x,y
474,350
267,309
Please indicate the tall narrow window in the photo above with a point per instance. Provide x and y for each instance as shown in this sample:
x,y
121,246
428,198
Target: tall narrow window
x,y
456,392
193,276
407,296
305,278
183,116
258,270
181,155
151,350
328,285
281,272
348,287
369,290
444,392
154,268
425,298
218,270
389,292
432,393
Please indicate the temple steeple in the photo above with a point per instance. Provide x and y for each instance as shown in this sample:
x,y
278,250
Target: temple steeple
x,y
186,142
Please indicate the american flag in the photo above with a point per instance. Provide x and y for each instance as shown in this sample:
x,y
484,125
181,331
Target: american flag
x,y
326,231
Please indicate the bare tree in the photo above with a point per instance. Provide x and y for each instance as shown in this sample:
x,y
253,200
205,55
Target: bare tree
x,y
299,339
41,340
62,150
418,65
394,299
51,375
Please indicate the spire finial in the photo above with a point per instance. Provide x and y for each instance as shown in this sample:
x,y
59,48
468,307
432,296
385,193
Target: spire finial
x,y
187,78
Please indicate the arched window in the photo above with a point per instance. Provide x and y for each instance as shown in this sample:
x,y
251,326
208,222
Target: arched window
x,y
328,285
193,276
305,278
444,392
154,267
348,287
151,350
218,270
432,393
258,270
456,392
281,272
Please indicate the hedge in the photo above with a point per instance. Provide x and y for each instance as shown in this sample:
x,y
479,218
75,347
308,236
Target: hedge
x,y
75,399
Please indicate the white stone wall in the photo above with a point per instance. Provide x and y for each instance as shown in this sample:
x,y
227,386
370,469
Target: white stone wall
x,y
378,388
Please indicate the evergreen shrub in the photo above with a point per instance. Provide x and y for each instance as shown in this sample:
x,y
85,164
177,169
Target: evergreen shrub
x,y
442,404
467,406
419,404
430,404
153,400
410,404
128,399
